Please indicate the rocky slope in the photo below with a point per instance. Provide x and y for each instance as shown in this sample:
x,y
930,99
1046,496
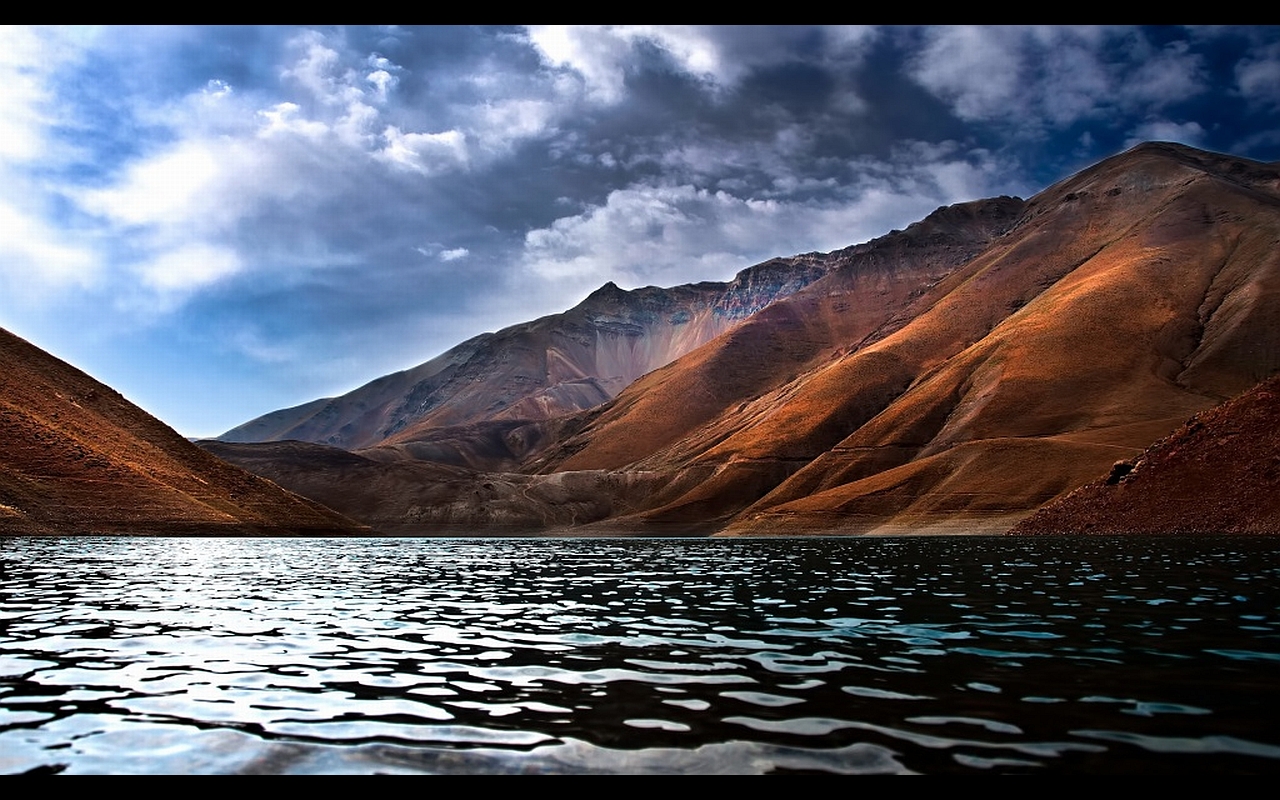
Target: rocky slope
x,y
953,377
1218,473
77,458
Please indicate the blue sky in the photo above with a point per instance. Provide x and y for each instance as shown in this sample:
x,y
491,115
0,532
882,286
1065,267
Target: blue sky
x,y
223,221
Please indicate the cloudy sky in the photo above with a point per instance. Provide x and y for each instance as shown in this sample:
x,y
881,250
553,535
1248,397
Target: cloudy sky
x,y
221,222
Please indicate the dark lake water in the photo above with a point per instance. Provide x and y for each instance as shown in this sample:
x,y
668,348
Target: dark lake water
x,y
935,655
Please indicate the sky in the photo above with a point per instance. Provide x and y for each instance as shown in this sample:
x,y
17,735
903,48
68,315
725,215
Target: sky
x,y
220,222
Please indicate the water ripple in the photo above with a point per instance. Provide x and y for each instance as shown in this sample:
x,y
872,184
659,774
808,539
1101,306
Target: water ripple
x,y
536,655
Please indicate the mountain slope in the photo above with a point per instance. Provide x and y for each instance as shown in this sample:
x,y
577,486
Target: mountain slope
x,y
872,289
76,457
1218,473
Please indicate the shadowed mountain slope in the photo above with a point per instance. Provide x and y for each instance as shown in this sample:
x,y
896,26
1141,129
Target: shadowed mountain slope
x,y
77,458
1218,473
402,496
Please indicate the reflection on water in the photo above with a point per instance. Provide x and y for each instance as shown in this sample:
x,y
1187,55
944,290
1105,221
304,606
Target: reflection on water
x,y
860,655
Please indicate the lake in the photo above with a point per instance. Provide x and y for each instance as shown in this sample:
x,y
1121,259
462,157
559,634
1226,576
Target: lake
x,y
932,655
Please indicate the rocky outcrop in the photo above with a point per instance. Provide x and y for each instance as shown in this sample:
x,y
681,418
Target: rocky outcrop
x,y
77,458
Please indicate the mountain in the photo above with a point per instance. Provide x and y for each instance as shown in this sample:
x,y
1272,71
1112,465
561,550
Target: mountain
x,y
1218,473
538,370
955,376
77,458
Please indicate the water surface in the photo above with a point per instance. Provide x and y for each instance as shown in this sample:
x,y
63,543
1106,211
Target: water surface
x,y
857,655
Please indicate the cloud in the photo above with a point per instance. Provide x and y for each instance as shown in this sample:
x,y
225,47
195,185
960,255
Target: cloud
x,y
1155,77
1165,131
975,69
23,94
37,257
280,183
496,125
599,53
1258,76
38,253
175,185
188,268
454,254
282,119
663,233
1026,79
426,153
716,55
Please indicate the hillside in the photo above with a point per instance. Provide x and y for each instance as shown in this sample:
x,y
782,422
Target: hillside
x,y
1217,473
77,458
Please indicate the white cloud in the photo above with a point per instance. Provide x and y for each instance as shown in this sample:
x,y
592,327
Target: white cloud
x,y
427,153
188,268
173,186
1164,76
602,54
23,94
37,254
976,69
283,119
497,125
717,54
36,257
454,254
1158,130
231,158
383,82
1258,76
320,70
667,233
1028,77
594,52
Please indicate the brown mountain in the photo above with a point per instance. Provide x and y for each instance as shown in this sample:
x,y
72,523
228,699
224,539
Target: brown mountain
x,y
1218,473
954,376
1124,299
77,458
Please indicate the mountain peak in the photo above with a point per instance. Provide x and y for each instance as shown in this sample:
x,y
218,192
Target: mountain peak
x,y
609,292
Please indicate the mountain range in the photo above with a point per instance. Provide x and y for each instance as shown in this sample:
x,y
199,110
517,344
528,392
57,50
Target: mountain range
x,y
955,376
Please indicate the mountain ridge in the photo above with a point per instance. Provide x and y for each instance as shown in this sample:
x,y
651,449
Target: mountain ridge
x,y
540,369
